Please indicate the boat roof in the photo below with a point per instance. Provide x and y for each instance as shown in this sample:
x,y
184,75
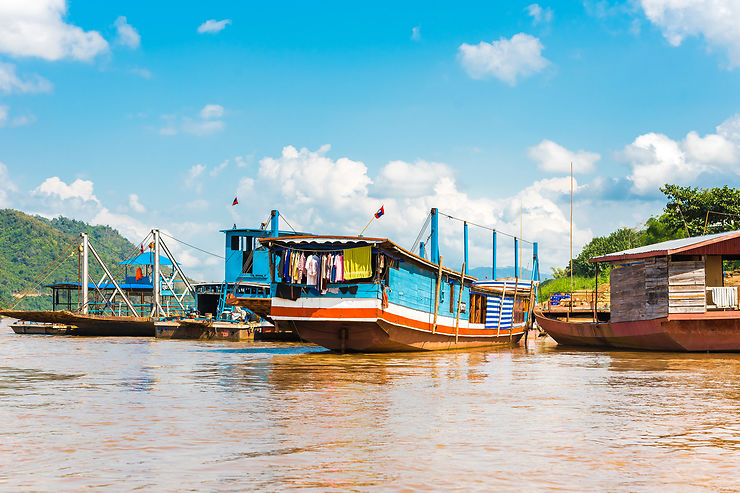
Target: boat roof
x,y
146,258
727,243
329,243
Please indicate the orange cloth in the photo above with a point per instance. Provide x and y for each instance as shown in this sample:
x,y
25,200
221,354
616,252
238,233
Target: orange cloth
x,y
139,274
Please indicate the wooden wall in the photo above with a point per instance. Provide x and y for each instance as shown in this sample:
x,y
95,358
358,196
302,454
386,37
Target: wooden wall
x,y
639,290
686,287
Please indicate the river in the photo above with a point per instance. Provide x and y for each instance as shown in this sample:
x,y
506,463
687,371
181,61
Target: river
x,y
136,413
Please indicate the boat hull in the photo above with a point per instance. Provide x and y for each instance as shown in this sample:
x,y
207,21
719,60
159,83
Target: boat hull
x,y
371,329
89,325
715,332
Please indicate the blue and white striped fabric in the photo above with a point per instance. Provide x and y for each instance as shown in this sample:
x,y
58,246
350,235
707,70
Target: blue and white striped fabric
x,y
493,303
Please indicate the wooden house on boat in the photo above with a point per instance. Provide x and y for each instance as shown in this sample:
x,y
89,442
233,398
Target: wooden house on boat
x,y
668,296
358,294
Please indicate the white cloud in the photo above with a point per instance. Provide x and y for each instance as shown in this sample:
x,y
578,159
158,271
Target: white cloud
x,y
415,33
716,20
193,179
555,158
538,14
213,26
202,127
338,196
505,59
207,123
656,159
126,34
23,120
219,168
141,72
3,115
10,82
37,28
78,189
134,204
6,186
211,111
402,179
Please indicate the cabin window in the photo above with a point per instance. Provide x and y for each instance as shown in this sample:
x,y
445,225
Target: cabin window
x,y
235,242
477,308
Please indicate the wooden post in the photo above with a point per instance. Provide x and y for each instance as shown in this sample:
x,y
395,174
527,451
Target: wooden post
x,y
570,301
459,300
596,296
437,285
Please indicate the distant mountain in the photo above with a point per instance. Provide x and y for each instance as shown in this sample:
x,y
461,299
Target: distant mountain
x,y
29,246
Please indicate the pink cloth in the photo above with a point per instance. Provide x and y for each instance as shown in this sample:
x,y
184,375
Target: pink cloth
x,y
339,267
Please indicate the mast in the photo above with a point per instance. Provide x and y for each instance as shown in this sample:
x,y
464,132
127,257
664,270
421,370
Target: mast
x,y
570,304
84,268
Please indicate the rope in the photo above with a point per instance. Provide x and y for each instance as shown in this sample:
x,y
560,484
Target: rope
x,y
58,260
193,246
421,232
484,227
289,225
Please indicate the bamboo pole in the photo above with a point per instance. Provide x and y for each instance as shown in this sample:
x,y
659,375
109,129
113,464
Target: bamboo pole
x,y
570,301
459,300
437,285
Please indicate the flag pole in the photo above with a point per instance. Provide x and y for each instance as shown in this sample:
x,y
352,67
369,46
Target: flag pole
x,y
368,225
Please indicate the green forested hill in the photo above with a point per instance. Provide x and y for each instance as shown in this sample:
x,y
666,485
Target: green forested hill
x,y
28,244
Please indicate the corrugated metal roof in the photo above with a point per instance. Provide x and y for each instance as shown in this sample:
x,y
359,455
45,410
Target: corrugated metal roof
x,y
669,247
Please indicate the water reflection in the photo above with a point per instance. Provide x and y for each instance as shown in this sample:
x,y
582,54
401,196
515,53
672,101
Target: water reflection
x,y
149,414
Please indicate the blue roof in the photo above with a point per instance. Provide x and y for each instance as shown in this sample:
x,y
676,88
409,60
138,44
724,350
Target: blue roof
x,y
146,258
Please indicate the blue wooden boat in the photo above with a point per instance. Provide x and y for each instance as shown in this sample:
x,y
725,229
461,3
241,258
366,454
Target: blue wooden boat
x,y
393,300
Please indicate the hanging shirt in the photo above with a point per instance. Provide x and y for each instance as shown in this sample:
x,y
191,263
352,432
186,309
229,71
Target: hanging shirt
x,y
301,268
339,268
357,263
312,269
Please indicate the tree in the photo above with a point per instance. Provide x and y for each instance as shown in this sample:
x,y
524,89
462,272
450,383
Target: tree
x,y
694,210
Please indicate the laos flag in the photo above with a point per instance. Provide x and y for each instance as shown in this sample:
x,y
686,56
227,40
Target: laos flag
x,y
380,212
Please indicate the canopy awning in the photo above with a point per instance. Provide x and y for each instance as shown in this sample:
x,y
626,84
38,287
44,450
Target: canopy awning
x,y
322,242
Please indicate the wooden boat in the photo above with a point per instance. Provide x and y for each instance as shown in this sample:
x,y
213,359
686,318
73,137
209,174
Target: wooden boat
x,y
88,324
670,296
392,301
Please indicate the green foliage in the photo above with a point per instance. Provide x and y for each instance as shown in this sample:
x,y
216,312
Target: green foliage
x,y
30,244
692,208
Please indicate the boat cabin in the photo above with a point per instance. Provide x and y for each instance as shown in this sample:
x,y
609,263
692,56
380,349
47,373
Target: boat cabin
x,y
673,277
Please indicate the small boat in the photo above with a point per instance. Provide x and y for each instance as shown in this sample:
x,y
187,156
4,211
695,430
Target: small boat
x,y
370,295
669,296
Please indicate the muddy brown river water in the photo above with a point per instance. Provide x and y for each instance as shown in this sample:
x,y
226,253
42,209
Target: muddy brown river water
x,y
159,415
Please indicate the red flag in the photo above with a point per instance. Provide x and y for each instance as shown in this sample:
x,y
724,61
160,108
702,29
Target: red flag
x,y
141,247
380,212
235,202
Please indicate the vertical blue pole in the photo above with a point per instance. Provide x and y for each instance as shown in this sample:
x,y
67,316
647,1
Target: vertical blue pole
x,y
274,223
435,236
466,246
516,257
493,268
421,249
535,263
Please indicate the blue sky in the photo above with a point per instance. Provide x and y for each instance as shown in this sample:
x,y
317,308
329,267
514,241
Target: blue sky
x,y
141,114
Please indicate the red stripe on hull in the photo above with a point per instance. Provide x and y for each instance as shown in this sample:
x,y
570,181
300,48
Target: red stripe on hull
x,y
662,334
338,314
